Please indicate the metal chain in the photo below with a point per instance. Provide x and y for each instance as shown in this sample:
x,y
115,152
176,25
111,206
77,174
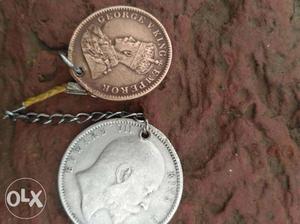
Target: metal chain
x,y
79,118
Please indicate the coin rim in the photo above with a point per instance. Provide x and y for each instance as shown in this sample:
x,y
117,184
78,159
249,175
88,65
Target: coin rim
x,y
154,131
148,89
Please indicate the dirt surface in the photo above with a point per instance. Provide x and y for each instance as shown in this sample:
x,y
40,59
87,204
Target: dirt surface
x,y
229,104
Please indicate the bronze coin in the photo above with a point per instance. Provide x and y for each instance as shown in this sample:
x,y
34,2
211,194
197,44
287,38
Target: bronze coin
x,y
124,52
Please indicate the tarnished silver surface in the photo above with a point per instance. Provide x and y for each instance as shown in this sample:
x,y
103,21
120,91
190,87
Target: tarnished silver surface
x,y
111,175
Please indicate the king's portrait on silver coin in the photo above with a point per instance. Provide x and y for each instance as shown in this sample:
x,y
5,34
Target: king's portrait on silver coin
x,y
121,181
110,174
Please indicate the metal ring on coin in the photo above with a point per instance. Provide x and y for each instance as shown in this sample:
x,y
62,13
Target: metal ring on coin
x,y
78,70
145,133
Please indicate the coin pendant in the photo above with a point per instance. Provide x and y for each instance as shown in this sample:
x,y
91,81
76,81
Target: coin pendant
x,y
111,174
124,52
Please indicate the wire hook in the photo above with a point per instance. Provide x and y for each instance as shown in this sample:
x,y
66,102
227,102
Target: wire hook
x,y
78,70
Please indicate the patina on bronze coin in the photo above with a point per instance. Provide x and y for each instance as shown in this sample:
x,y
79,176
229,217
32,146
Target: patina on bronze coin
x,y
124,53
111,174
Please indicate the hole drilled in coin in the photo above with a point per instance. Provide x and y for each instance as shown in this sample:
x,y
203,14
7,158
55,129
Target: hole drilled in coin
x,y
145,134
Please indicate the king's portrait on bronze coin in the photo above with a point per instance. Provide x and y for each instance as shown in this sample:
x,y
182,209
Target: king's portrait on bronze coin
x,y
124,53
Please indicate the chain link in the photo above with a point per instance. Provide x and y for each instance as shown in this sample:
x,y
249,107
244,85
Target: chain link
x,y
79,118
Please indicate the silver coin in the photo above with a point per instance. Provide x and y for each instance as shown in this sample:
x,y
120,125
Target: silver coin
x,y
110,174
